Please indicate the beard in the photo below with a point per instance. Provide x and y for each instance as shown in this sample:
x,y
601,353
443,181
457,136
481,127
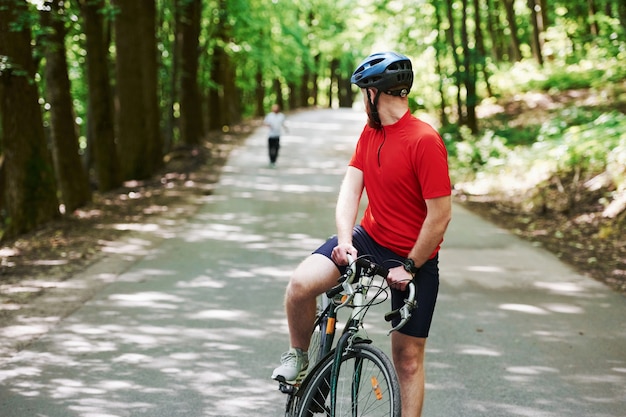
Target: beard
x,y
371,121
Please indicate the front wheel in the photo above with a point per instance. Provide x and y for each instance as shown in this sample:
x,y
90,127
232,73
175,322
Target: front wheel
x,y
367,385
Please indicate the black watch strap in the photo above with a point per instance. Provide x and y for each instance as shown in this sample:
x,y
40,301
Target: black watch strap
x,y
409,265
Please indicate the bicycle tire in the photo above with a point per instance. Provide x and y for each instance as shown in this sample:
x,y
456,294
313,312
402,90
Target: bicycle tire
x,y
317,348
316,345
367,385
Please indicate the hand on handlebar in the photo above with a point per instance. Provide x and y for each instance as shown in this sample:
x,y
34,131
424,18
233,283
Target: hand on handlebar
x,y
399,278
341,251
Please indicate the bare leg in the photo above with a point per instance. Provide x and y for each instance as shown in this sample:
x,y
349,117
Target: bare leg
x,y
312,277
408,358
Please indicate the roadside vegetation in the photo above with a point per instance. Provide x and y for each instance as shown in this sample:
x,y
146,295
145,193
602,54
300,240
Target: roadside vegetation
x,y
550,163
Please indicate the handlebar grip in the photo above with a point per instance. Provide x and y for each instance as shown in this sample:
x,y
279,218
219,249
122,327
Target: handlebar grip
x,y
392,315
375,269
334,291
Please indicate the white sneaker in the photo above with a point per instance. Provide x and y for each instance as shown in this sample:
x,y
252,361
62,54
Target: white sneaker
x,y
294,364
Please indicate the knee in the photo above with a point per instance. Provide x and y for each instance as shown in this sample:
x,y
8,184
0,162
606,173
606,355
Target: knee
x,y
409,358
297,289
312,277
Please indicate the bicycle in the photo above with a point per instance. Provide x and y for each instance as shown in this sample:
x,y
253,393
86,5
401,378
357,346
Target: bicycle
x,y
355,378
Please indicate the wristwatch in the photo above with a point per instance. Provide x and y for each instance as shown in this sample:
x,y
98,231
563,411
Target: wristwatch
x,y
410,267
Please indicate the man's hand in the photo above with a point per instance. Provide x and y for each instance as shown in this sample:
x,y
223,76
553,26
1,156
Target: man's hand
x,y
398,278
341,251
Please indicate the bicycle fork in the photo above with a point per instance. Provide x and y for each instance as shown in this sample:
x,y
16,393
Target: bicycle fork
x,y
343,345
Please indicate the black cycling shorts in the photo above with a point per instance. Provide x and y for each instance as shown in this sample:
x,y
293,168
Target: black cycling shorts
x,y
427,280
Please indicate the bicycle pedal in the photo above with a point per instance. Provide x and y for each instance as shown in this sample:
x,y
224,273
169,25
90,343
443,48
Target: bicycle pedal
x,y
286,388
295,383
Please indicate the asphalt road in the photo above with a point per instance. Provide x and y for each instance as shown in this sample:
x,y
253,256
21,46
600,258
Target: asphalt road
x,y
192,323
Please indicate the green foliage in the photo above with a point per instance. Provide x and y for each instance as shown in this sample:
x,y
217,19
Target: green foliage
x,y
562,148
582,146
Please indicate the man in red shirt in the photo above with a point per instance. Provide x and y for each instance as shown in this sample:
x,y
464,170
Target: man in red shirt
x,y
402,164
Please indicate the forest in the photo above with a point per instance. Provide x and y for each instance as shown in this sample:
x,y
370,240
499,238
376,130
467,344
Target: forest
x,y
95,93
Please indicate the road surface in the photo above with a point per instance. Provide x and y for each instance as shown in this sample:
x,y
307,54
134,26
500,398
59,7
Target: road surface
x,y
192,323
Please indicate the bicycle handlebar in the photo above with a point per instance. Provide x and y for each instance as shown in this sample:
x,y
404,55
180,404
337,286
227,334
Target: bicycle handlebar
x,y
404,312
365,267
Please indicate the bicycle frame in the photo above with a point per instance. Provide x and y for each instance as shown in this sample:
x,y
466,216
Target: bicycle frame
x,y
352,331
354,296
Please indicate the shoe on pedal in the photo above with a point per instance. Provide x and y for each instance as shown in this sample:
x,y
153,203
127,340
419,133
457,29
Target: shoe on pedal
x,y
294,364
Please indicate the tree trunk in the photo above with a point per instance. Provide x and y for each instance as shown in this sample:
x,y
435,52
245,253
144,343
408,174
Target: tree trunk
x,y
621,12
315,90
71,175
30,184
494,30
469,74
334,65
593,22
259,93
214,107
516,54
481,58
457,62
139,138
171,120
149,70
542,15
305,93
344,87
535,19
278,89
293,94
191,130
439,47
101,133
232,95
131,133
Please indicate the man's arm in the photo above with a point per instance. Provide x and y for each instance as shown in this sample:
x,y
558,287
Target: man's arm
x,y
345,213
439,213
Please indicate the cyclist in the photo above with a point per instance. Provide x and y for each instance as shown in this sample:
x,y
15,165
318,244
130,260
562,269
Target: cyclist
x,y
401,162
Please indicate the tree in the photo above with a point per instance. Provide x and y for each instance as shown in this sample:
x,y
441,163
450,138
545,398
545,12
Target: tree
x,y
439,52
457,61
480,52
225,70
139,140
191,130
149,70
100,120
71,174
30,191
494,31
469,73
514,47
536,20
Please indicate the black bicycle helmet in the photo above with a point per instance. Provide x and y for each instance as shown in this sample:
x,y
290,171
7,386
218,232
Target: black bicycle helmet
x,y
384,71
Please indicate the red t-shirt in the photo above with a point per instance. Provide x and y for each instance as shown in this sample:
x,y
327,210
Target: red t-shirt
x,y
403,165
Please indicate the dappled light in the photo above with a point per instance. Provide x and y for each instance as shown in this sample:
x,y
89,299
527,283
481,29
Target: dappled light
x,y
524,308
193,326
193,323
514,321
478,351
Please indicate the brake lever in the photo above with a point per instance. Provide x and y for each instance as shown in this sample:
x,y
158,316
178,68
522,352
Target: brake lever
x,y
405,311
